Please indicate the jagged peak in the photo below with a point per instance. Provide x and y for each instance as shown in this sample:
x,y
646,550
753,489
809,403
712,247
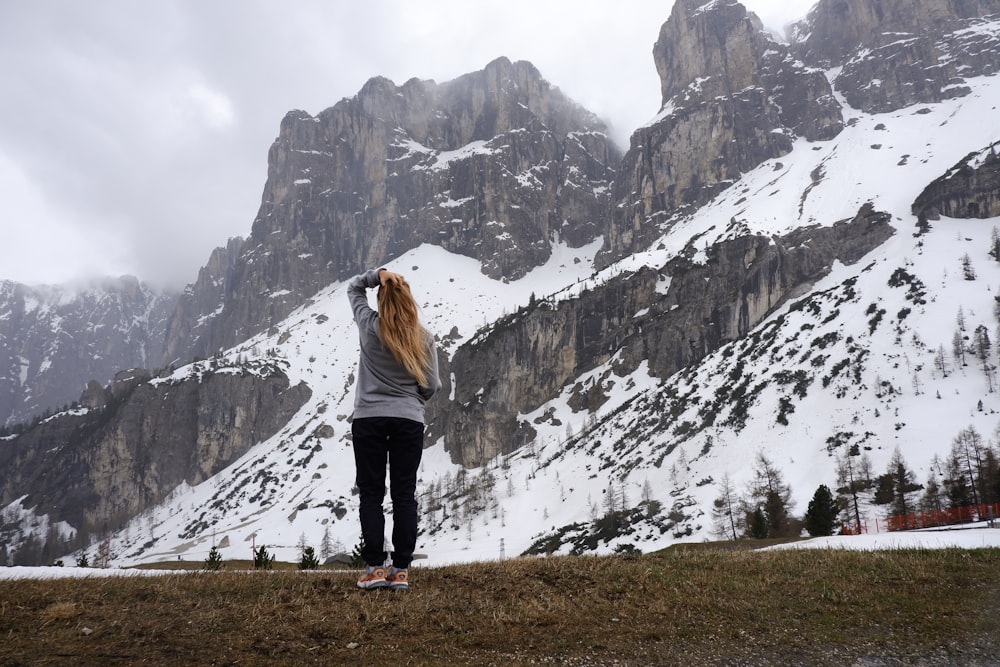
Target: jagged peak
x,y
719,39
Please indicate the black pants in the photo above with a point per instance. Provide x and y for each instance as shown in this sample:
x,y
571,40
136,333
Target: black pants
x,y
400,442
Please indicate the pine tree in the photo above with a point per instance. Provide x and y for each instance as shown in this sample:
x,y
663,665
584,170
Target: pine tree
x,y
931,500
261,559
356,559
981,346
967,463
757,524
989,478
770,493
214,560
308,561
902,485
968,271
821,516
956,483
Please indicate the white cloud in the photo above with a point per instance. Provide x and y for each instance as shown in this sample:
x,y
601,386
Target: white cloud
x,y
214,107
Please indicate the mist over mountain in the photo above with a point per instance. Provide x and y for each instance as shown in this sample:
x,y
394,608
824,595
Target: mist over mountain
x,y
793,261
56,339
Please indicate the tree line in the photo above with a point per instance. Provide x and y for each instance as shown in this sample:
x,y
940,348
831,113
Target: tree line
x,y
968,477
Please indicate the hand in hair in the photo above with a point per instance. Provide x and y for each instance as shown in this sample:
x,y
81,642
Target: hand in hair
x,y
386,276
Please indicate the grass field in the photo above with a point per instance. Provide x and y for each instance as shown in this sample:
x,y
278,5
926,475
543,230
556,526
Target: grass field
x,y
679,607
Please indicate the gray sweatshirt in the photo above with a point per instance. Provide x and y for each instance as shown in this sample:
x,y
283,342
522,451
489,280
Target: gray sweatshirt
x,y
385,388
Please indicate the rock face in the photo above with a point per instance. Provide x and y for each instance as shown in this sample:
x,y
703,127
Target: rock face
x,y
206,295
970,189
901,52
53,340
132,443
732,99
524,359
493,165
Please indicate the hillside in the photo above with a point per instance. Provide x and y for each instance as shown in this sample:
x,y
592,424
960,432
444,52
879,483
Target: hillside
x,y
795,259
889,394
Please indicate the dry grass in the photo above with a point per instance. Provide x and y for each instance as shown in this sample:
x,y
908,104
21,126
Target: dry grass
x,y
688,607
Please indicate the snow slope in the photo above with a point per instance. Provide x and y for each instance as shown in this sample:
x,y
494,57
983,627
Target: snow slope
x,y
850,363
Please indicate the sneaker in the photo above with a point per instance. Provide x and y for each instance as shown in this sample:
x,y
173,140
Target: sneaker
x,y
399,580
374,577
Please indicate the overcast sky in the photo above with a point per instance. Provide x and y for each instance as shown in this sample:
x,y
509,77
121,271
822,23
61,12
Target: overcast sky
x,y
134,135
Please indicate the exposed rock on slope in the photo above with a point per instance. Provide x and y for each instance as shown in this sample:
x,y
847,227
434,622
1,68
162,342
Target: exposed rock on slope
x,y
971,189
732,98
131,444
492,165
900,52
193,317
525,359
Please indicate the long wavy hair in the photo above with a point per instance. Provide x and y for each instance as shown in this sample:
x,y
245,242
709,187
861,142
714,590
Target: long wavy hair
x,y
400,330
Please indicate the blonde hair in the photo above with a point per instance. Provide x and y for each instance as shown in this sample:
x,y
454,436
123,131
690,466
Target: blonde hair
x,y
400,330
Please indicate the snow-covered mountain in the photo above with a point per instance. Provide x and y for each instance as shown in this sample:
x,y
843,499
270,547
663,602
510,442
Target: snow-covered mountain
x,y
56,339
762,287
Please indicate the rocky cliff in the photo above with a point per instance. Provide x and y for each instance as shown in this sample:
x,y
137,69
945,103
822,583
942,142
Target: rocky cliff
x,y
524,360
194,316
54,340
900,52
732,99
128,445
971,189
494,165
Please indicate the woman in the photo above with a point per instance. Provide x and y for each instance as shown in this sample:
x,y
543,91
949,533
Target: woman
x,y
397,374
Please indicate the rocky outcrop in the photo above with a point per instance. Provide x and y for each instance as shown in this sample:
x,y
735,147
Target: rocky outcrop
x,y
525,359
198,307
132,443
493,165
54,339
970,189
895,53
732,99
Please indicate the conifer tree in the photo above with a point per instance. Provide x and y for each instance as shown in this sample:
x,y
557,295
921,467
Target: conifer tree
x,y
308,560
757,524
214,560
770,493
965,467
261,559
902,484
968,271
932,498
821,516
989,480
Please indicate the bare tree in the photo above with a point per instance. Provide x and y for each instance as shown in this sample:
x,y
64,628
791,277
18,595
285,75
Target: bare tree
x,y
725,511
